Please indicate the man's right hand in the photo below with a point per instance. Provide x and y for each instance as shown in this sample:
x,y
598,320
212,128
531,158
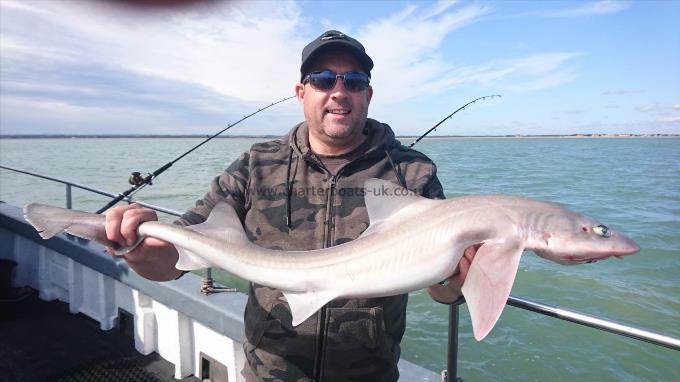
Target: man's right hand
x,y
153,258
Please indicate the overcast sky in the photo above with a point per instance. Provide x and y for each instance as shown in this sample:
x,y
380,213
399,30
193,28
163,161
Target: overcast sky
x,y
96,67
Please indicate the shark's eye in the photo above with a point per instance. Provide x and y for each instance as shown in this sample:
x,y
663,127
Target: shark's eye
x,y
602,230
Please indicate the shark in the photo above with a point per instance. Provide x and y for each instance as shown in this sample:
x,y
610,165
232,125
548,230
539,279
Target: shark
x,y
411,243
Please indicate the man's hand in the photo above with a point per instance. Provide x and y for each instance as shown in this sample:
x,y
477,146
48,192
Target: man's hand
x,y
446,294
153,258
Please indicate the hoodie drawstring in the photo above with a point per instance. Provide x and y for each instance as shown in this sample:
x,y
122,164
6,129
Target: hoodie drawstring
x,y
396,169
289,186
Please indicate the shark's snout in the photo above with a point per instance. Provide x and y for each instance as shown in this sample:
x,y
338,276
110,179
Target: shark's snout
x,y
622,246
630,247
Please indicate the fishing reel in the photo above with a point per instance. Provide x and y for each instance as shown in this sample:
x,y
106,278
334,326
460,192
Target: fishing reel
x,y
137,180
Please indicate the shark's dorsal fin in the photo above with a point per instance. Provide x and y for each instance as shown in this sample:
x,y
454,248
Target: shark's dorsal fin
x,y
222,224
385,200
489,281
304,304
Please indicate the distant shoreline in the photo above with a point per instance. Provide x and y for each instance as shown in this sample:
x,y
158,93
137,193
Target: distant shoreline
x,y
511,136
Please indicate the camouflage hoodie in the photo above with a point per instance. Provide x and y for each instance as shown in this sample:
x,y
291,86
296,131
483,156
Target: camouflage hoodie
x,y
287,199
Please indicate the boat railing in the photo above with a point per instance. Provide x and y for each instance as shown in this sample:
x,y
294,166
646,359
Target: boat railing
x,y
208,284
69,185
450,374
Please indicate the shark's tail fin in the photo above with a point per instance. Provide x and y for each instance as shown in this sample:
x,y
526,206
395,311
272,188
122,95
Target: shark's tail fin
x,y
45,219
50,221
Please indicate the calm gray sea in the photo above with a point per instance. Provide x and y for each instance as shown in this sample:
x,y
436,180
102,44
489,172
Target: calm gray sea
x,y
629,184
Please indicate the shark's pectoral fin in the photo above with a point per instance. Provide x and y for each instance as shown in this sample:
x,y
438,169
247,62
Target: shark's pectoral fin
x,y
304,304
188,261
489,281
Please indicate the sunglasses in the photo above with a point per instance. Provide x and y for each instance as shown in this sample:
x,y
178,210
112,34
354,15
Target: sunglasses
x,y
326,79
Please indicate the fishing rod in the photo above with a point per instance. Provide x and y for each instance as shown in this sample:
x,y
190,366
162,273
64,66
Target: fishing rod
x,y
138,181
451,115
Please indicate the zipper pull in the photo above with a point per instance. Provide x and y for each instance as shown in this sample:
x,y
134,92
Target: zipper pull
x,y
331,199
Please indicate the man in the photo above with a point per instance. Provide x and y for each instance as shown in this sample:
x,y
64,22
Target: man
x,y
298,193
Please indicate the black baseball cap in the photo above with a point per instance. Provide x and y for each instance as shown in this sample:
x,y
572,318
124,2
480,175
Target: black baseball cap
x,y
334,40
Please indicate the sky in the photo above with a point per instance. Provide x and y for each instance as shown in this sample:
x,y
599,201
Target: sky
x,y
561,67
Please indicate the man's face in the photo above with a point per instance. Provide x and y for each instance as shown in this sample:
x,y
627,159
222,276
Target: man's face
x,y
335,117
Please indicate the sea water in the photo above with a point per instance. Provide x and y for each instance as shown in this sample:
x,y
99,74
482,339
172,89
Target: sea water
x,y
629,184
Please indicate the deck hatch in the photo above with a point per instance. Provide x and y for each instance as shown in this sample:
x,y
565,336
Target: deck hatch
x,y
212,370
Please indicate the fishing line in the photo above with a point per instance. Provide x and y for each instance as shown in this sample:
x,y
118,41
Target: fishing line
x,y
138,181
433,128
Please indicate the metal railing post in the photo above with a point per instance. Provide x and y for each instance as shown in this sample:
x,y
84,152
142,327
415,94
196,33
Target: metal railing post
x,y
69,202
452,359
450,374
208,286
